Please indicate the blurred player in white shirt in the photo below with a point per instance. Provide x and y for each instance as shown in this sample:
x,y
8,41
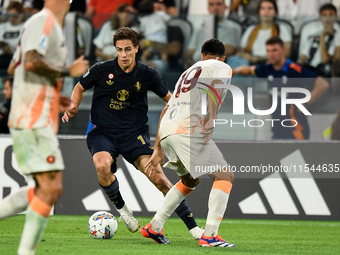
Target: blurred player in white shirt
x,y
39,65
184,136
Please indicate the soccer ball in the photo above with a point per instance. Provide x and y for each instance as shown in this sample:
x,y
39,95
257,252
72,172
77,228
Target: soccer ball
x,y
102,225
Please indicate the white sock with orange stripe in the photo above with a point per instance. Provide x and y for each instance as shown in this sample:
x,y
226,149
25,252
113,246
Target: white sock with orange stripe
x,y
16,202
171,201
36,221
217,205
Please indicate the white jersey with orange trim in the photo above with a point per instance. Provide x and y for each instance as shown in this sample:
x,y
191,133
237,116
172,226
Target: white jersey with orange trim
x,y
184,115
35,99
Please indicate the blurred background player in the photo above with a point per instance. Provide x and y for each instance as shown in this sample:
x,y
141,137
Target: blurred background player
x,y
38,67
184,136
282,72
5,108
119,113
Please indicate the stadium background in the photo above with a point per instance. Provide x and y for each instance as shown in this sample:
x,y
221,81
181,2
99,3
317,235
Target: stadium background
x,y
262,196
271,195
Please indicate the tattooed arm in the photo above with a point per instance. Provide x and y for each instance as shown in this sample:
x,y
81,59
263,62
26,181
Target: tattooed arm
x,y
38,64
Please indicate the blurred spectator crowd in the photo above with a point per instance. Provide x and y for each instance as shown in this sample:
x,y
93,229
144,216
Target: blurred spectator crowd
x,y
170,42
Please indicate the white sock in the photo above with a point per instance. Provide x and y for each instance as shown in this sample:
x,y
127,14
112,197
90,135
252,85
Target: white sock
x,y
124,210
171,201
217,206
35,225
15,203
210,230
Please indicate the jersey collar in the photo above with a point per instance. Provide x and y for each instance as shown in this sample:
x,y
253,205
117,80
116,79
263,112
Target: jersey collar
x,y
119,71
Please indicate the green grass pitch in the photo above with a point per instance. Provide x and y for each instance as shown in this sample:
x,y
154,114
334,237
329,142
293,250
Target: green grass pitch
x,y
69,235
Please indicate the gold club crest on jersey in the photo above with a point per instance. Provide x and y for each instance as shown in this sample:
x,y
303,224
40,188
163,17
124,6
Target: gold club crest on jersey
x,y
138,86
122,95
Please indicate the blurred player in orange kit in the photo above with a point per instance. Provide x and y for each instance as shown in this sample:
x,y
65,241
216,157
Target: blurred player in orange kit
x,y
39,65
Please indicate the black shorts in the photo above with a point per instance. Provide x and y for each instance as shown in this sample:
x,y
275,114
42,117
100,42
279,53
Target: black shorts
x,y
129,145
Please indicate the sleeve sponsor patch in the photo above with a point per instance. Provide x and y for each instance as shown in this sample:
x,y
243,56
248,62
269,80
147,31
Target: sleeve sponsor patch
x,y
43,42
86,74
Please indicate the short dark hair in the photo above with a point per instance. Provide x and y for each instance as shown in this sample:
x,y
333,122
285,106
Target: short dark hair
x,y
15,5
145,7
8,78
126,33
328,7
213,47
273,2
275,40
222,1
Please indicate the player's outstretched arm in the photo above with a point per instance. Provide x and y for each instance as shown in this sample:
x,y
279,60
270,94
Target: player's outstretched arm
x,y
245,70
38,64
157,155
76,98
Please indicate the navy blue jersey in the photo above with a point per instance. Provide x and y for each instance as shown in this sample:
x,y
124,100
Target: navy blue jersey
x,y
119,101
291,75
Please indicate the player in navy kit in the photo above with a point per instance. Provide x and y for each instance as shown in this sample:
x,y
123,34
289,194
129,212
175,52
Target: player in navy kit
x,y
282,72
119,113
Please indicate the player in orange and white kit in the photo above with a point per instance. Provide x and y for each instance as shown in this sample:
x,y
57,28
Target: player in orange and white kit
x,y
39,66
184,136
